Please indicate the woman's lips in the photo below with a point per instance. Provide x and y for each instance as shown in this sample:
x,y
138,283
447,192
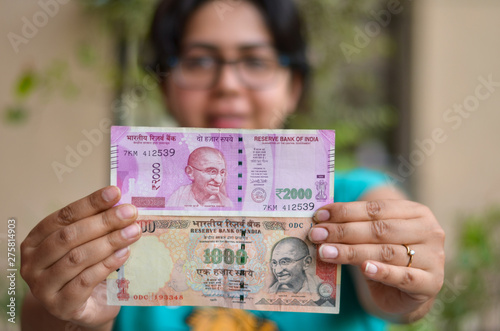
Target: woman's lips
x,y
227,122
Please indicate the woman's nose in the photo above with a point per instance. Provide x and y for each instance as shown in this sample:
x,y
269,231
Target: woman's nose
x,y
228,79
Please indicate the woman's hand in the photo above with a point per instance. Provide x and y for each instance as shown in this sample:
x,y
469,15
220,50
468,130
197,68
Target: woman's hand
x,y
66,258
371,234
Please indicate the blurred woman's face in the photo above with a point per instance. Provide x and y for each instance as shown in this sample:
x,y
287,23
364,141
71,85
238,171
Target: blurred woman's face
x,y
255,93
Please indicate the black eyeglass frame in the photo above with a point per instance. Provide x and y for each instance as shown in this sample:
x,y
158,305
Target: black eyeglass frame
x,y
284,61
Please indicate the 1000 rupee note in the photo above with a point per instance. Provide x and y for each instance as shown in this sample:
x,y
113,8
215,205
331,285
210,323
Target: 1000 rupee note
x,y
246,263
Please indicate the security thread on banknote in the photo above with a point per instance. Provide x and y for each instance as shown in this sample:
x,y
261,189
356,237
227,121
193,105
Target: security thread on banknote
x,y
223,172
247,263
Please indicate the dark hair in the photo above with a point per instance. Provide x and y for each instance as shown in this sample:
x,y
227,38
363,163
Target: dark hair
x,y
281,16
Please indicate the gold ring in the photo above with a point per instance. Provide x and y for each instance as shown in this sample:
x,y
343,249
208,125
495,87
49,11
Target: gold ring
x,y
410,253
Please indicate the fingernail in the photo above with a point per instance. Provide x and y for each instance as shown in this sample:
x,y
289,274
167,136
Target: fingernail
x,y
125,212
322,215
131,231
318,234
110,193
371,268
122,252
328,252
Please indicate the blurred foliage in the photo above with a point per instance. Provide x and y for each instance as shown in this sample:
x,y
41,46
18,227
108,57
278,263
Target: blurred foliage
x,y
128,22
16,114
23,88
470,297
87,55
125,18
54,79
26,84
348,91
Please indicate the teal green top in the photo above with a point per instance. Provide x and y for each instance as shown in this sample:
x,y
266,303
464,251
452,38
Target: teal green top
x,y
349,186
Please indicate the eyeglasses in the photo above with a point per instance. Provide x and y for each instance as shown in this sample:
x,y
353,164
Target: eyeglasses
x,y
203,72
284,262
213,172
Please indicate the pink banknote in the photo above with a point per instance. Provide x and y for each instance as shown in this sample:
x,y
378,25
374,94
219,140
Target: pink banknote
x,y
234,262
223,172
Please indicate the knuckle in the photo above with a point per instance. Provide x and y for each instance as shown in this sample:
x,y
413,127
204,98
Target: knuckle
x,y
374,209
67,235
114,239
76,257
95,201
24,246
83,280
66,215
25,272
379,229
424,211
386,274
25,259
441,256
343,211
109,264
387,253
439,281
107,220
439,234
352,254
340,232
408,278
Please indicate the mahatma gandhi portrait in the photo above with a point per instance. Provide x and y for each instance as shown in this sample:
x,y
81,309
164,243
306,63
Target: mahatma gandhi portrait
x,y
290,258
206,168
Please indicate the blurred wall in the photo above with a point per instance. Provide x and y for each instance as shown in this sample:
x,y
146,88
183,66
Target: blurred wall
x,y
455,107
30,189
30,186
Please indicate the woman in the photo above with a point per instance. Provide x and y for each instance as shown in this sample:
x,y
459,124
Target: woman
x,y
237,64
